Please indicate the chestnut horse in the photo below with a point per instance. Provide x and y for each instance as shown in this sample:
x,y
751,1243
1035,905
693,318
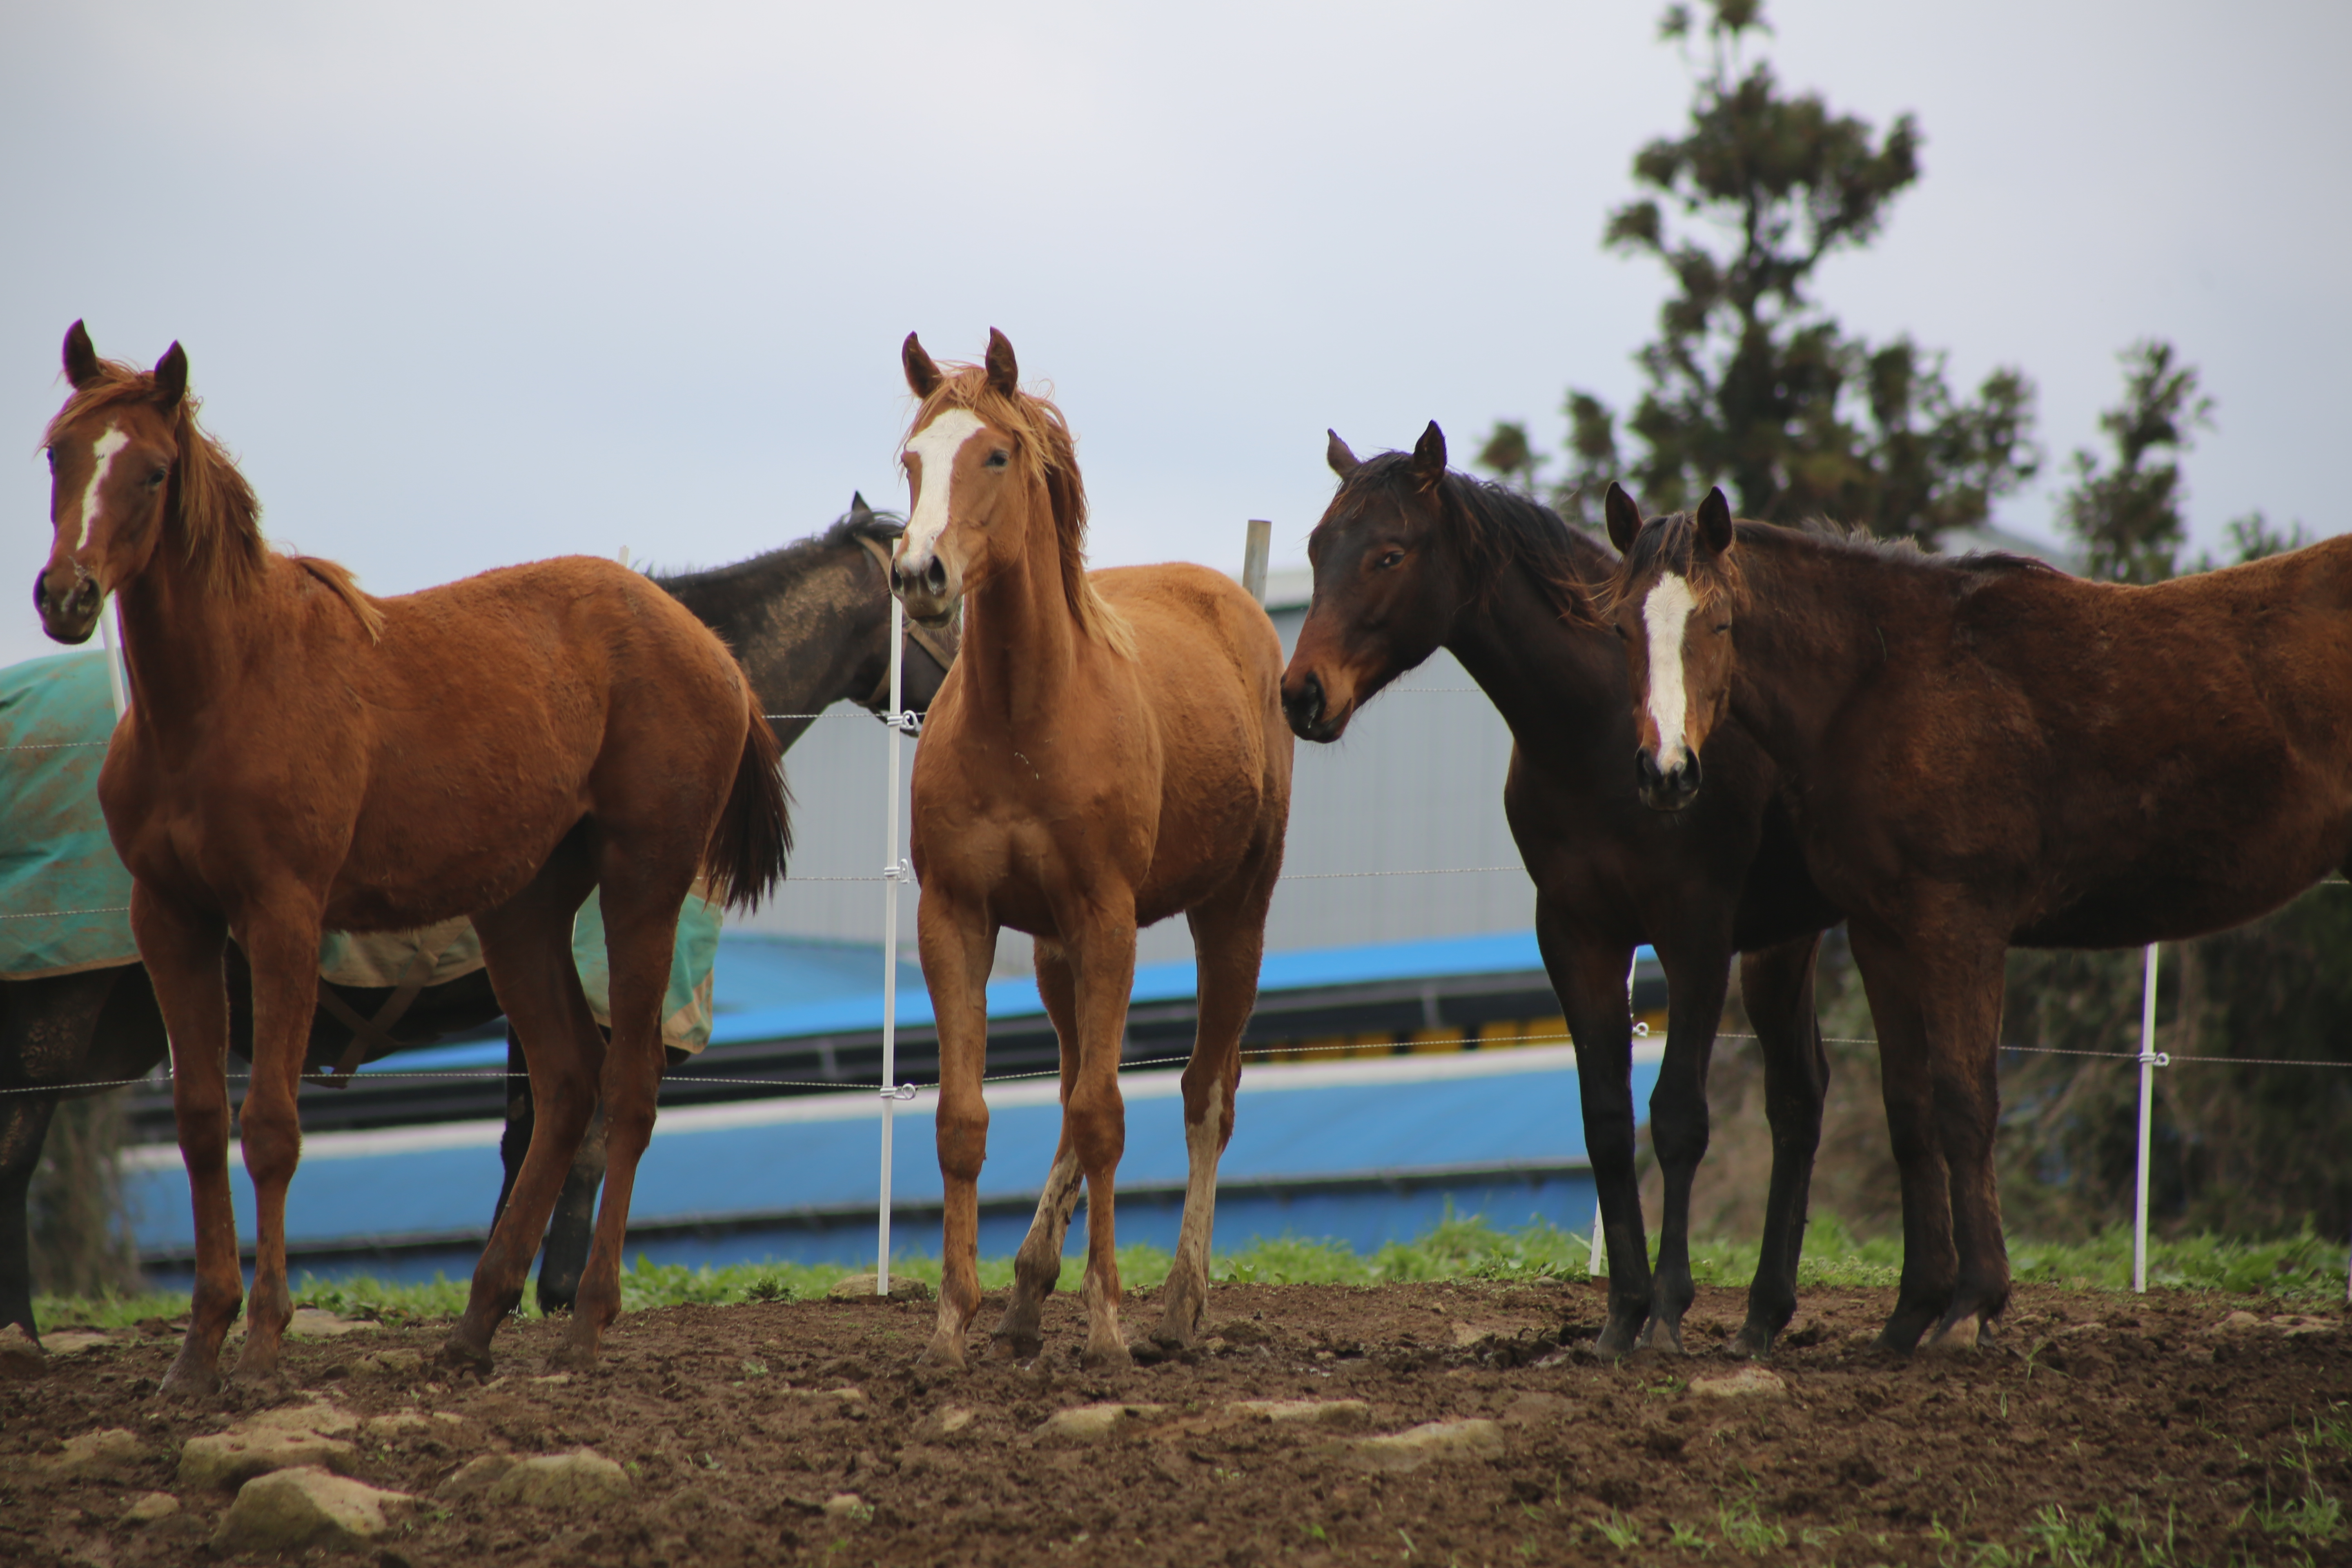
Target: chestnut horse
x,y
1410,558
299,756
1109,750
1984,752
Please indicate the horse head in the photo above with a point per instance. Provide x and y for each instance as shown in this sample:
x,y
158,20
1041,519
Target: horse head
x,y
1672,607
928,651
1388,584
113,450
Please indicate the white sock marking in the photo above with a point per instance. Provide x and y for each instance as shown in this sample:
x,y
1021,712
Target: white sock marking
x,y
1664,614
937,445
105,447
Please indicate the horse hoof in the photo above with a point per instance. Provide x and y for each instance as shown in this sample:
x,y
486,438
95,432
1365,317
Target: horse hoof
x,y
187,1380
942,1354
572,1357
1112,1357
1663,1337
460,1356
1015,1346
1958,1336
1616,1343
1752,1343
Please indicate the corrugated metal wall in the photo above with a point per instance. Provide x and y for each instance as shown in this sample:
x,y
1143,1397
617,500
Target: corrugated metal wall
x,y
1416,785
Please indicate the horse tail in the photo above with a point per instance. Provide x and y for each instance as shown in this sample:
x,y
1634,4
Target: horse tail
x,y
745,858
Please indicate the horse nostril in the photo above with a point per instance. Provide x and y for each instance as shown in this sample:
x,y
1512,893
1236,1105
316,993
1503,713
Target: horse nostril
x,y
935,575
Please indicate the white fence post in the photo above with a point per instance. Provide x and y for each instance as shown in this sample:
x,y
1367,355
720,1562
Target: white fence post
x,y
2149,1062
1254,550
894,871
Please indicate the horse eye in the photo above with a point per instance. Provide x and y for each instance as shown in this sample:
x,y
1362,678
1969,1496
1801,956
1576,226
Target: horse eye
x,y
1390,558
998,458
157,477
1722,626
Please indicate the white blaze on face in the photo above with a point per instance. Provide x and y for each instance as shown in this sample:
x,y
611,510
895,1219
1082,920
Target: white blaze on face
x,y
1665,611
937,445
103,448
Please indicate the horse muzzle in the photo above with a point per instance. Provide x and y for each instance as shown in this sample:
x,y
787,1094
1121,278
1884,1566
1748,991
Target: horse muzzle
x,y
928,586
68,608
1311,714
1666,789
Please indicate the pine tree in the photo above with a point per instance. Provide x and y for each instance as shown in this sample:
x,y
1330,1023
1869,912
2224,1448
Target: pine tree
x,y
2128,516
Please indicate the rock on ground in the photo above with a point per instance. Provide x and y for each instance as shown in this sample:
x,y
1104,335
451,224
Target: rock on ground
x,y
284,1439
582,1477
289,1509
1307,1412
1093,1423
19,1356
148,1507
98,1453
1745,1381
860,1288
1410,1451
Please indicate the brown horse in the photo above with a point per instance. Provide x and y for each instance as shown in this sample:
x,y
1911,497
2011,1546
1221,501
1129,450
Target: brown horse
x,y
299,756
1985,752
1109,750
1411,557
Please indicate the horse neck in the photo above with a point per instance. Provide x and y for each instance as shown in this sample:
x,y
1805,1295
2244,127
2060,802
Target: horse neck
x,y
184,640
1547,677
809,626
1814,628
1021,642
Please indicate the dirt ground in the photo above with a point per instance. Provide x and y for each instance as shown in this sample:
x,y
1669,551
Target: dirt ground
x,y
802,1432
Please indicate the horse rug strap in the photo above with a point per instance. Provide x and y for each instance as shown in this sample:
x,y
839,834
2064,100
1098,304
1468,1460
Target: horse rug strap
x,y
372,1037
922,636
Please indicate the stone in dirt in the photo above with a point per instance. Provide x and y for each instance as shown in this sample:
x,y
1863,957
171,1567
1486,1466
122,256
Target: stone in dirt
x,y
73,1342
392,1363
476,1475
283,1439
98,1453
289,1509
1409,1450
953,1419
1746,1380
860,1288
1093,1423
843,1505
1537,1409
582,1477
148,1507
1307,1412
19,1356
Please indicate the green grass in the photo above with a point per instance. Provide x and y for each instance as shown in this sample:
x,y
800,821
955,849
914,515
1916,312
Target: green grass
x,y
2294,1268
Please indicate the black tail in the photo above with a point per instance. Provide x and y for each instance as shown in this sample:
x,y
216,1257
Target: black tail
x,y
746,856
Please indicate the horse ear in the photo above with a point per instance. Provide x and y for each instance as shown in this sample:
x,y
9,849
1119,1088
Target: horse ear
x,y
1003,372
1623,517
1429,456
172,378
859,512
922,375
1343,462
1714,523
81,357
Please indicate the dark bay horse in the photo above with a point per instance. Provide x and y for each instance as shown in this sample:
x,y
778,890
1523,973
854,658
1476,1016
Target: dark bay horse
x,y
1108,752
1982,752
1409,558
810,624
293,762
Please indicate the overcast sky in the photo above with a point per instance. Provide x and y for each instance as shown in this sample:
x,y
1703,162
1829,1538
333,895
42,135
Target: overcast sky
x,y
472,283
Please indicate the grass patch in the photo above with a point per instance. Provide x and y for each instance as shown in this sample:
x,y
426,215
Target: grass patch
x,y
1458,1247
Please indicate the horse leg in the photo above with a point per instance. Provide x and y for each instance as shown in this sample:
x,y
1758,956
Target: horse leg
x,y
1228,941
184,956
527,947
280,939
1931,1264
641,905
24,1125
1588,975
1095,1116
1964,1040
1037,1267
573,1225
1776,983
958,941
48,1035
1697,975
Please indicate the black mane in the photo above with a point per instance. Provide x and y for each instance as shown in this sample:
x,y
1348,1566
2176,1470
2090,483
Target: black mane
x,y
880,526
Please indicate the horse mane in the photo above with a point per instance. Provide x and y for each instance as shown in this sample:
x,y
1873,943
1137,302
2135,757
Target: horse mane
x,y
878,525
1501,529
1049,456
1670,542
219,514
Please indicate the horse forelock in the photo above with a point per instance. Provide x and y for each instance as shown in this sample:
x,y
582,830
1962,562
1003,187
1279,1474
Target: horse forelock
x,y
1048,455
1670,543
219,514
1499,528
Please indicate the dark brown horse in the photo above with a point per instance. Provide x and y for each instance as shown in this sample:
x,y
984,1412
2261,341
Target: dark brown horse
x,y
810,624
1410,558
1983,751
1108,752
300,757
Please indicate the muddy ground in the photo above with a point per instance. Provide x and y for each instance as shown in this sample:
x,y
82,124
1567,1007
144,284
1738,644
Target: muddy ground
x,y
740,1441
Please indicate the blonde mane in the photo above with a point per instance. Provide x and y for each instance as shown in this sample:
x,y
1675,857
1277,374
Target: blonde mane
x,y
218,512
1049,456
